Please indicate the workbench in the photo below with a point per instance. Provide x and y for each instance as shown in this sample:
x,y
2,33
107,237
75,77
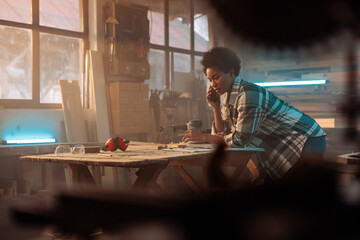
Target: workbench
x,y
150,159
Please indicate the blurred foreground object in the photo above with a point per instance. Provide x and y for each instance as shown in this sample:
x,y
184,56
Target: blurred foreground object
x,y
286,24
305,206
293,25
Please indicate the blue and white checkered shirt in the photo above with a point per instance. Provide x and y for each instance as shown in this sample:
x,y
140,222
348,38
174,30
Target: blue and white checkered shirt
x,y
255,117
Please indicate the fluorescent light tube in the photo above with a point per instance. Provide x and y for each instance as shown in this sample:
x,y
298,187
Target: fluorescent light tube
x,y
291,83
27,141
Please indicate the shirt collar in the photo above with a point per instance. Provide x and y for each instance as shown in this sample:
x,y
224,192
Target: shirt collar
x,y
234,91
236,85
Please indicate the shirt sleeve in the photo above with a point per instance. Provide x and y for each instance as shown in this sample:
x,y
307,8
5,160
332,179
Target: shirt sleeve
x,y
251,114
215,132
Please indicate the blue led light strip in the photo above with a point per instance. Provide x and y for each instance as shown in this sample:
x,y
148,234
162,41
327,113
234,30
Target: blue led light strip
x,y
291,83
25,141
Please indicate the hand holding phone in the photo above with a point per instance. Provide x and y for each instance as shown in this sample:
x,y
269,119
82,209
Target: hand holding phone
x,y
212,97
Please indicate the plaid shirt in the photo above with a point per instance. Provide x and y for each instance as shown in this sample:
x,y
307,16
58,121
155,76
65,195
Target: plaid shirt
x,y
255,117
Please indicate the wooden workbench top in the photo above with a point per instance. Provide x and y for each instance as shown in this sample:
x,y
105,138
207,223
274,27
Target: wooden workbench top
x,y
138,153
144,153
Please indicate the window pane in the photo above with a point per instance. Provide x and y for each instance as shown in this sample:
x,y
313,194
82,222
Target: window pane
x,y
16,10
199,73
180,79
179,24
15,63
199,68
181,62
201,32
60,58
156,27
157,71
63,14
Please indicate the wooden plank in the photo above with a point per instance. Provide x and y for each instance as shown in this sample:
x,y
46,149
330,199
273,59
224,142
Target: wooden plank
x,y
100,95
130,108
44,176
73,111
9,187
156,188
147,176
351,158
82,175
148,159
23,187
145,145
129,158
136,155
188,179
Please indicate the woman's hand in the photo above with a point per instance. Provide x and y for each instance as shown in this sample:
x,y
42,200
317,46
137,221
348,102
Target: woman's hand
x,y
193,135
213,98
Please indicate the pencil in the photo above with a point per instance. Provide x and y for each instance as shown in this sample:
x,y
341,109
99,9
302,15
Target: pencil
x,y
104,154
183,134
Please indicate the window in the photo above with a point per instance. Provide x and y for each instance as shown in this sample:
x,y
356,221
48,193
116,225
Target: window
x,y
41,42
15,63
156,58
60,58
181,62
16,10
201,29
179,24
178,35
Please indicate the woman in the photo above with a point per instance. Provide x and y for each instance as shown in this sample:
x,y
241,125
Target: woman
x,y
251,116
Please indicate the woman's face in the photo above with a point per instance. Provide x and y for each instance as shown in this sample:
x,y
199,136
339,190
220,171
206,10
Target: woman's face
x,y
221,82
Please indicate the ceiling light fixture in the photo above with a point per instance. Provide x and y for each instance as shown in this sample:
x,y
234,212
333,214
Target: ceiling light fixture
x,y
292,83
29,141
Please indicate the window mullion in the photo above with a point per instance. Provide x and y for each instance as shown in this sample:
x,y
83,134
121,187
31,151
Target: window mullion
x,y
166,25
85,16
172,82
192,35
36,66
35,52
35,10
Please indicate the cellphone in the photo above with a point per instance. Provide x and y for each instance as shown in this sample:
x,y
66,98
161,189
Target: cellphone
x,y
212,96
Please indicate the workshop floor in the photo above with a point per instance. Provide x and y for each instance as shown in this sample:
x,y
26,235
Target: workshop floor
x,y
11,231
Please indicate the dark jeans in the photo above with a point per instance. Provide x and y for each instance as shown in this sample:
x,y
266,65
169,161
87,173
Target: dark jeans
x,y
313,151
314,147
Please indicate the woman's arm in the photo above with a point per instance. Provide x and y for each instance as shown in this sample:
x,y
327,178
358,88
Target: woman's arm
x,y
251,113
219,124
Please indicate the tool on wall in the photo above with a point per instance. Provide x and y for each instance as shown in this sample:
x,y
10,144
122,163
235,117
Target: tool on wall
x,y
111,39
127,40
154,103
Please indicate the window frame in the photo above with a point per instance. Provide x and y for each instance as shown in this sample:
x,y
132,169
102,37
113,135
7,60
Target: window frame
x,y
169,50
36,29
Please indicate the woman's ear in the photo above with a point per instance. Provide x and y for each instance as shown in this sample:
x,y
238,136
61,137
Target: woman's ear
x,y
231,72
